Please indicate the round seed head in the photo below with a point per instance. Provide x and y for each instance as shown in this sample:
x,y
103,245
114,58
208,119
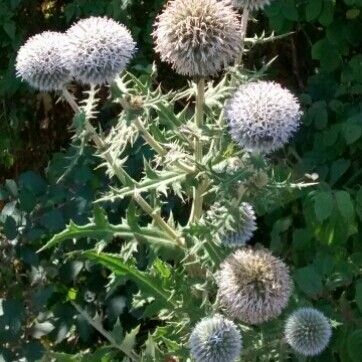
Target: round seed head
x,y
253,286
245,228
41,62
308,331
198,37
250,4
215,339
262,116
99,49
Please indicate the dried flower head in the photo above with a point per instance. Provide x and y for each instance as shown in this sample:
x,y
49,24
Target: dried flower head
x,y
250,4
262,116
253,286
198,37
246,227
215,339
308,331
99,49
41,63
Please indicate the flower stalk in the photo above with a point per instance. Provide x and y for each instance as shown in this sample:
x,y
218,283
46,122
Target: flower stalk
x,y
198,197
122,175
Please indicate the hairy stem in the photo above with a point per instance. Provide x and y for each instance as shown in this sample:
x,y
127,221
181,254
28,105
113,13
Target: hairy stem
x,y
244,29
156,146
122,175
196,211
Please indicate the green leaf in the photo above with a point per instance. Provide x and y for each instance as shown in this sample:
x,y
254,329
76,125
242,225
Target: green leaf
x,y
326,16
323,205
345,205
129,341
10,29
313,9
10,228
100,229
338,169
352,129
359,295
328,55
53,220
309,281
290,10
125,269
354,345
32,182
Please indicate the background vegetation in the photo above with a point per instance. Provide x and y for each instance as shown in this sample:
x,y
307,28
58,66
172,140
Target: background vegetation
x,y
321,60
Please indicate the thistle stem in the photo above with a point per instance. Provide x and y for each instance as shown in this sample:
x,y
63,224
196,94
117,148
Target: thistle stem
x,y
156,146
149,138
122,175
196,211
244,28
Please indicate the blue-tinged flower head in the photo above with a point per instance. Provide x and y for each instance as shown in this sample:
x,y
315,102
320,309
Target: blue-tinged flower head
x,y
262,116
99,49
41,62
215,339
253,286
198,37
246,226
308,331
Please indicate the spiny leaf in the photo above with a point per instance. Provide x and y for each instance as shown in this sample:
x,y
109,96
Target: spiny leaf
x,y
160,184
145,282
101,229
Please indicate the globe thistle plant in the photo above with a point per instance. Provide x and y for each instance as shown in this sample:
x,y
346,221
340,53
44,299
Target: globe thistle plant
x,y
308,331
215,339
253,286
98,50
246,227
198,37
41,62
250,4
262,116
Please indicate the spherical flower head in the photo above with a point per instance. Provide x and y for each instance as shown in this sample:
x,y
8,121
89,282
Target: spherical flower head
x,y
253,286
308,331
251,4
198,37
215,339
41,62
246,227
262,116
99,49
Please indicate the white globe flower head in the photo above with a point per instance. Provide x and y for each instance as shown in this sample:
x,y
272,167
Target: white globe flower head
x,y
215,339
41,62
198,37
250,4
246,228
99,49
253,286
262,116
308,331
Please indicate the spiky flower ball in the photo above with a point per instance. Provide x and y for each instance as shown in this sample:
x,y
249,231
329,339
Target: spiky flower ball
x,y
99,49
198,37
215,339
245,228
41,62
253,286
262,116
251,4
308,331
